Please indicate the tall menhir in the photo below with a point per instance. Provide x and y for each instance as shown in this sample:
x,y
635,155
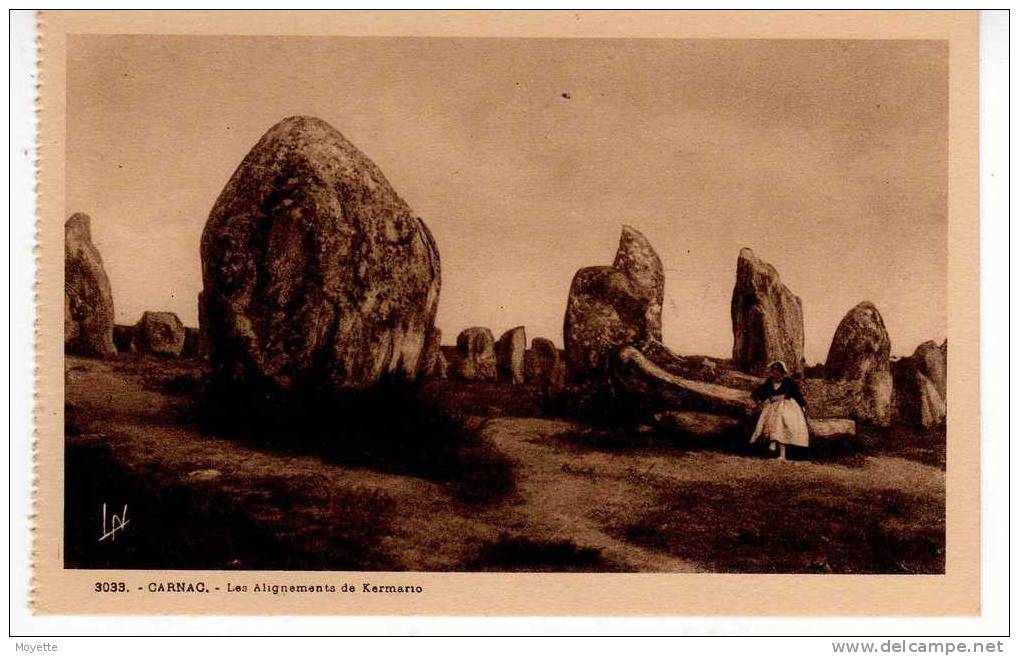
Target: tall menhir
x,y
316,275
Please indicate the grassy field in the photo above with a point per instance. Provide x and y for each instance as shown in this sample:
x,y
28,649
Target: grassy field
x,y
517,491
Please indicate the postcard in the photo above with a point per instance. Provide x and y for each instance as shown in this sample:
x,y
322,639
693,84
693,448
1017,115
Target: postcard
x,y
508,313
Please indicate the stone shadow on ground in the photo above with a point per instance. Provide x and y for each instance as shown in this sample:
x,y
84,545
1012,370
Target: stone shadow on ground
x,y
393,427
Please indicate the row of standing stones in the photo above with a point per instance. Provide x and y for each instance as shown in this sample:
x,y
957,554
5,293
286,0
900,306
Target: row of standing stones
x,y
318,276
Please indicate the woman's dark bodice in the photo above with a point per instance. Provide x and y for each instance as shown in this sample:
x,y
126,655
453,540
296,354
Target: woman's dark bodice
x,y
787,388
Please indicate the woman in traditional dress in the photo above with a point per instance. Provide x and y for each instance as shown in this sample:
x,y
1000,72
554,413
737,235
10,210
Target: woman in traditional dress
x,y
782,419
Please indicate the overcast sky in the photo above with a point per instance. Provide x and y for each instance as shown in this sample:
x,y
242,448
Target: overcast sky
x,y
525,157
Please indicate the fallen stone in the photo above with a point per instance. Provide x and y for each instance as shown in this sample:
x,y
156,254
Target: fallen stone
x,y
699,368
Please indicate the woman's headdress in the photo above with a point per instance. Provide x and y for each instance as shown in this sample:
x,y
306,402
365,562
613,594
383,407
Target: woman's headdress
x,y
780,365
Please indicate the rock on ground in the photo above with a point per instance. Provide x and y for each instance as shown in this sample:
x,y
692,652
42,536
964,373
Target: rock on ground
x,y
192,343
88,300
122,337
767,318
316,275
433,362
544,366
698,424
509,354
611,307
476,348
918,398
159,333
711,425
604,313
648,388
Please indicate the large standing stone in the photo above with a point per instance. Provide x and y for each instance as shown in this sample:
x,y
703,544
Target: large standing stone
x,y
611,307
639,261
509,354
543,365
767,318
859,354
88,301
160,333
317,275
433,361
476,350
192,343
860,345
918,398
932,362
604,313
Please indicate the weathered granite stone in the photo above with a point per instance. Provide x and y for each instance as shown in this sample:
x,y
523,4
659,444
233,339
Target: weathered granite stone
x,y
610,307
123,336
317,275
544,365
432,361
159,333
639,261
932,362
192,341
859,354
918,399
88,300
860,345
476,350
509,354
604,313
767,318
